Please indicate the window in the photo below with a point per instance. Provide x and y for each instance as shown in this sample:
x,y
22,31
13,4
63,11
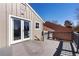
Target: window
x,y
37,25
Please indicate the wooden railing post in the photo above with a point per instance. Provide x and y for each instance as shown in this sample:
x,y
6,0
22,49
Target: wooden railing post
x,y
48,34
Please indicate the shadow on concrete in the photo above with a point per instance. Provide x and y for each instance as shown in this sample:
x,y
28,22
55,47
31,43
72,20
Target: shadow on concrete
x,y
59,49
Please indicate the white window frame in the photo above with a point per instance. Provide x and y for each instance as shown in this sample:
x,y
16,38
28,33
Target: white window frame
x,y
35,26
10,30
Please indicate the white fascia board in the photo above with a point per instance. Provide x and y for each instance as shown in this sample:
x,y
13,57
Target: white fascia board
x,y
35,12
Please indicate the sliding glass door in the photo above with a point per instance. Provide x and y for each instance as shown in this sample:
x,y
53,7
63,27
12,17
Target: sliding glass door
x,y
20,29
26,29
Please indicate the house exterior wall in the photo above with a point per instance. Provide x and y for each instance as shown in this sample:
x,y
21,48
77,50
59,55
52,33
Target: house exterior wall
x,y
3,23
36,31
20,10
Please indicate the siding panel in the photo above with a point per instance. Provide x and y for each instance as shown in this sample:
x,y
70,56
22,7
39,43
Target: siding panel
x,y
2,25
18,10
14,9
9,11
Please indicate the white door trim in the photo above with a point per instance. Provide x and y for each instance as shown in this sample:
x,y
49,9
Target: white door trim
x,y
10,30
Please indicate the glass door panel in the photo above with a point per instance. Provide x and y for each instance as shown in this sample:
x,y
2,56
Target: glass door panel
x,y
26,29
17,29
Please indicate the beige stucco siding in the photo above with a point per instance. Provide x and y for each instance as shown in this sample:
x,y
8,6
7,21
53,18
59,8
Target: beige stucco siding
x,y
14,9
34,18
38,32
2,25
9,10
27,10
20,10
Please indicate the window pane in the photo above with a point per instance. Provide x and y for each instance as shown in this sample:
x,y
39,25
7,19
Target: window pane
x,y
37,25
17,29
26,29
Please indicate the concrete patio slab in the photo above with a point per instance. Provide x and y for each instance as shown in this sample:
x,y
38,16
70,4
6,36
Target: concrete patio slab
x,y
31,48
6,51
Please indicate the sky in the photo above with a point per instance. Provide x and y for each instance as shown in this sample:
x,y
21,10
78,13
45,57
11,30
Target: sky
x,y
56,11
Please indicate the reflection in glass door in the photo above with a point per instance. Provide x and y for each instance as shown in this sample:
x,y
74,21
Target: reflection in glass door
x,y
20,30
26,29
17,29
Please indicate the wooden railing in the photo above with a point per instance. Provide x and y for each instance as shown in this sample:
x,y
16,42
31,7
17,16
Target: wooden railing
x,y
63,35
76,40
60,35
